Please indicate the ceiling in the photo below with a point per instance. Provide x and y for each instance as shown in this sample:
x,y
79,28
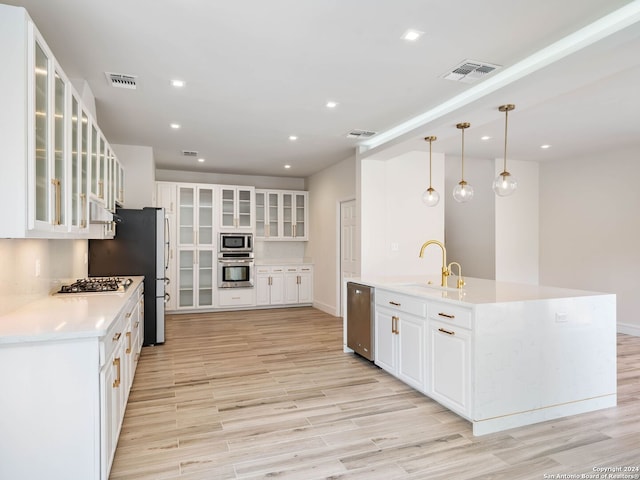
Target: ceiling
x,y
259,71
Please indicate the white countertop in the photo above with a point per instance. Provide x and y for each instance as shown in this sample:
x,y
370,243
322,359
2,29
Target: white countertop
x,y
64,316
476,290
282,261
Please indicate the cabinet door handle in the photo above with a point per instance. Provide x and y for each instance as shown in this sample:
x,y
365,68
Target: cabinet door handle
x,y
446,331
446,315
128,342
394,324
100,189
116,363
116,337
56,185
83,221
394,304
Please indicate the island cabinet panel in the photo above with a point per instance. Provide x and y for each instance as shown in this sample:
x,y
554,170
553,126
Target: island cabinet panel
x,y
400,337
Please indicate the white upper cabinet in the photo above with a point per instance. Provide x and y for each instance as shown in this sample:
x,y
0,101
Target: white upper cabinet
x,y
282,215
49,145
237,208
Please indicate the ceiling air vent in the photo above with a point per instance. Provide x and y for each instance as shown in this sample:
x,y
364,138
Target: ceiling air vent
x,y
360,133
120,80
189,153
469,71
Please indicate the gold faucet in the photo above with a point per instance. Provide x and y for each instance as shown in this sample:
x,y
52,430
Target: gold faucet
x,y
460,282
445,270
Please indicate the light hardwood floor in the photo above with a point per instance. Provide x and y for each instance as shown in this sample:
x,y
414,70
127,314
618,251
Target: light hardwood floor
x,y
270,394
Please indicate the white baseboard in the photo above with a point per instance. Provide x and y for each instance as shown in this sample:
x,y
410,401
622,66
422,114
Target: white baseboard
x,y
326,308
629,329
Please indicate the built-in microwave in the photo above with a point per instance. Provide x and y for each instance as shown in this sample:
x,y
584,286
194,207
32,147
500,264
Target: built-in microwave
x,y
236,242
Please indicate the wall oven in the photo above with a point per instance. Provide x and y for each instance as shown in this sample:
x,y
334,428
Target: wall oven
x,y
235,270
235,260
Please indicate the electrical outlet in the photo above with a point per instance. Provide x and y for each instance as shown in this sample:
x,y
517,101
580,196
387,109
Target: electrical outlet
x,y
395,247
37,267
561,317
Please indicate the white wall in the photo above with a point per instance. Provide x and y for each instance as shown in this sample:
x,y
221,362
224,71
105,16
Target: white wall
x,y
59,259
326,189
589,228
517,226
395,222
139,175
470,227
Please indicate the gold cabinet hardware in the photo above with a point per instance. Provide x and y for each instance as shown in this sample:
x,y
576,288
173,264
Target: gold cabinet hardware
x,y
446,315
128,315
117,336
137,323
58,198
394,324
128,342
446,331
100,189
116,363
394,304
83,221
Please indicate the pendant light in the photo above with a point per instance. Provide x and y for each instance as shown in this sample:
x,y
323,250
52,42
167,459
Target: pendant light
x,y
505,184
430,197
463,191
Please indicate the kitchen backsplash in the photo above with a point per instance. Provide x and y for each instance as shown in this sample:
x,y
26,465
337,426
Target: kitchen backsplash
x,y
33,268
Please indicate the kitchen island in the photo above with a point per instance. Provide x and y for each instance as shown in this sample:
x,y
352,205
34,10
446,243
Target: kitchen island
x,y
499,354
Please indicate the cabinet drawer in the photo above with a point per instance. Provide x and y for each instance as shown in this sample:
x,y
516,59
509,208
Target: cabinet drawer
x,y
110,341
400,302
236,297
451,314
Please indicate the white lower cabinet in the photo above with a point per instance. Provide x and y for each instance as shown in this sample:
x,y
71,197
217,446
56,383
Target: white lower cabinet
x,y
450,362
298,284
284,284
400,338
269,285
63,411
426,345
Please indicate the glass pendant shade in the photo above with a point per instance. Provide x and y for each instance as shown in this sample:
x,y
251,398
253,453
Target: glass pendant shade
x,y
463,192
430,197
505,184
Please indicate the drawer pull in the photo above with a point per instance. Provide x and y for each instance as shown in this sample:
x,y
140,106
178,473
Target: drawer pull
x,y
116,363
446,331
117,336
394,304
446,315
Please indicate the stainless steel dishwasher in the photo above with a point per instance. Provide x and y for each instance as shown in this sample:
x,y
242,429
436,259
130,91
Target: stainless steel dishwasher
x,y
360,310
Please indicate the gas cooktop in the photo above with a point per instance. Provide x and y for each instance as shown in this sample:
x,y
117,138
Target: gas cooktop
x,y
97,285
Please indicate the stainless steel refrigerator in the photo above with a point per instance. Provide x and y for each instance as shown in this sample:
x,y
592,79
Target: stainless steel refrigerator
x,y
139,248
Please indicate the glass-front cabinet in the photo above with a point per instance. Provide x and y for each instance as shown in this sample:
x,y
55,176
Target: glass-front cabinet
x,y
237,207
196,246
50,142
282,215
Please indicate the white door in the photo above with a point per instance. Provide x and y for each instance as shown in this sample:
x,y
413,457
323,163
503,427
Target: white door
x,y
349,244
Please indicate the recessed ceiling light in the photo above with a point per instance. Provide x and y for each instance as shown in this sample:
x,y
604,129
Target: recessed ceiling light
x,y
293,138
331,104
412,35
485,137
287,166
175,126
178,83
201,160
545,146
